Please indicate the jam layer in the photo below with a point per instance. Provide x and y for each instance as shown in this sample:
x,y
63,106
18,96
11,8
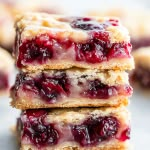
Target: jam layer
x,y
70,88
84,127
82,42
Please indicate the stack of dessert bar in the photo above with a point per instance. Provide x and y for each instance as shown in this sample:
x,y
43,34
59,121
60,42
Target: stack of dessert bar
x,y
72,87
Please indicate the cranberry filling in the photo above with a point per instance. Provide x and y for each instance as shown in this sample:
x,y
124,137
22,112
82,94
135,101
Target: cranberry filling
x,y
37,130
96,49
98,90
99,49
33,128
52,88
47,87
93,131
38,49
3,81
125,135
142,75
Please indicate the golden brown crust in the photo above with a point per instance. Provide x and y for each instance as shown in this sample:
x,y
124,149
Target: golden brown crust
x,y
114,64
116,110
114,146
26,104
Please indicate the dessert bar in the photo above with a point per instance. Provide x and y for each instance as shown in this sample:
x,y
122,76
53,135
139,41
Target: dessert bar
x,y
74,129
142,72
70,88
46,41
6,67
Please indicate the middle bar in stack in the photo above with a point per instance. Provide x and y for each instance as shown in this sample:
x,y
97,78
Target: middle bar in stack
x,y
70,88
91,56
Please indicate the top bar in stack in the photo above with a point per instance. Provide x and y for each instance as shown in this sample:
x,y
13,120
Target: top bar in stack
x,y
46,41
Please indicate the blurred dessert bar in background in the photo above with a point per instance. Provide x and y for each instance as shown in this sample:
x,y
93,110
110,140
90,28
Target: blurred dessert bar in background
x,y
70,88
141,73
6,70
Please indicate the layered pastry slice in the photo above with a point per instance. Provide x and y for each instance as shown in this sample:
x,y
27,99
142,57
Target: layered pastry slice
x,y
6,68
58,42
74,129
142,72
138,25
70,88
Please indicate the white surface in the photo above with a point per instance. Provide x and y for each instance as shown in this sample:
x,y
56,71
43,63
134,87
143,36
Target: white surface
x,y
140,112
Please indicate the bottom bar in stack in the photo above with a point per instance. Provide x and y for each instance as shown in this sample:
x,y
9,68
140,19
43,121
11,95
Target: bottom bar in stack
x,y
74,129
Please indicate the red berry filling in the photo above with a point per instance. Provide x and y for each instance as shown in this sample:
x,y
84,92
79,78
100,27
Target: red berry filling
x,y
95,130
33,128
97,48
54,87
50,88
37,130
125,135
97,90
3,81
38,50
